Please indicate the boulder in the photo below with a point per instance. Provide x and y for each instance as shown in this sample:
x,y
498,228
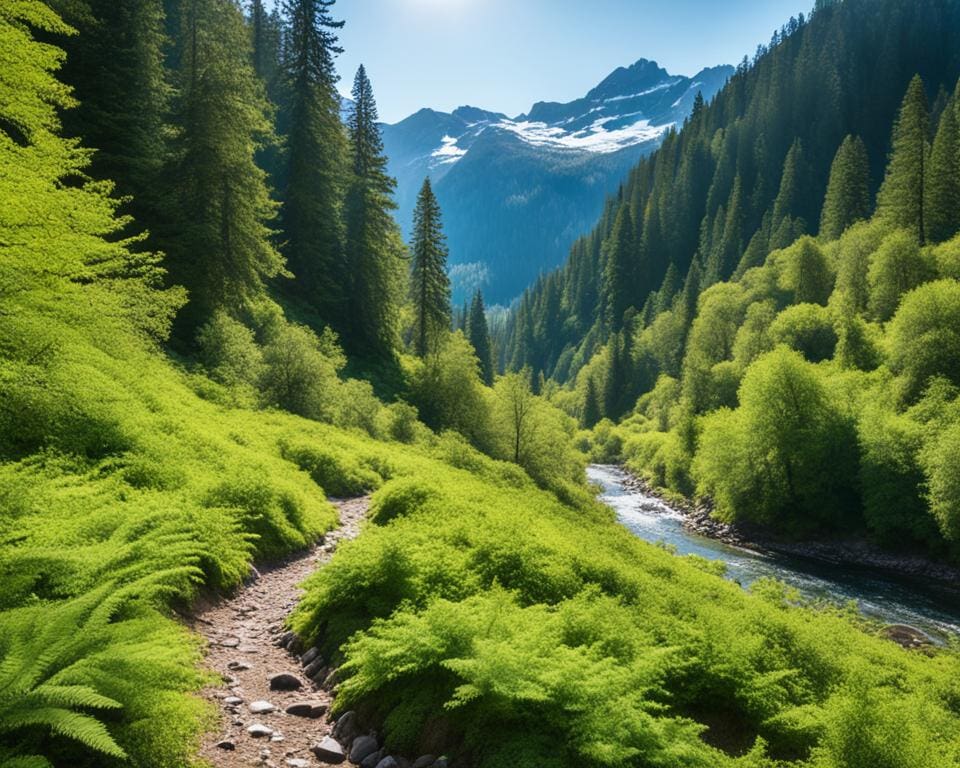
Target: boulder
x,y
388,762
329,751
285,639
309,656
362,747
371,761
284,681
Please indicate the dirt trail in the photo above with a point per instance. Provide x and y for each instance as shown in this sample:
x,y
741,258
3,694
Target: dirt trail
x,y
243,633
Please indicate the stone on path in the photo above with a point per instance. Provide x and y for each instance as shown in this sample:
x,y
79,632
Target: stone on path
x,y
347,727
329,751
362,747
388,762
296,762
372,760
309,656
259,731
312,709
284,681
424,761
261,707
226,744
238,666
233,701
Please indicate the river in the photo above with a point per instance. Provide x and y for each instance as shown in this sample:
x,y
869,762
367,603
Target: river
x,y
931,607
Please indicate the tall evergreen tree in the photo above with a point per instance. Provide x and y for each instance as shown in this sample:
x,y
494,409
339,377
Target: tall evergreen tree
x,y
591,406
619,283
901,200
116,68
219,241
942,220
373,243
848,191
317,154
479,335
430,285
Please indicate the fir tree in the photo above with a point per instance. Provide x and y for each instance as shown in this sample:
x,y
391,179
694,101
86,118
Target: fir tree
x,y
848,191
668,290
591,406
219,242
317,155
373,243
479,335
619,284
942,219
901,201
430,285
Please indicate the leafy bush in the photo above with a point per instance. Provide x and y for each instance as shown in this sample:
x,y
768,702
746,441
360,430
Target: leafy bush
x,y
808,329
229,352
298,376
400,498
338,475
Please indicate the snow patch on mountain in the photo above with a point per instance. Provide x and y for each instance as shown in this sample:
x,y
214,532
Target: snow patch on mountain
x,y
595,138
448,151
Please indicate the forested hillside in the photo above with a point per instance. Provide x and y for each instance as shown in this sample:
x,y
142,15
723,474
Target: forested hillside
x,y
797,364
746,175
176,404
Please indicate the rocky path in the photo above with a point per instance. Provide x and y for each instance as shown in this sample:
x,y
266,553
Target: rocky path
x,y
271,712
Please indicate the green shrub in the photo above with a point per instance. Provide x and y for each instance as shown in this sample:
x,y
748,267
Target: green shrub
x,y
228,351
400,498
808,329
338,475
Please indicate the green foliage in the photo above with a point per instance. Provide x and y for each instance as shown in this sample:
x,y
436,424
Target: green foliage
x,y
337,475
804,272
942,182
848,191
429,283
298,376
898,266
229,351
784,455
479,335
807,329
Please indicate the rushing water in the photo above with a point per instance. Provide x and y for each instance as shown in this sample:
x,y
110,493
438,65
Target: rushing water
x,y
932,608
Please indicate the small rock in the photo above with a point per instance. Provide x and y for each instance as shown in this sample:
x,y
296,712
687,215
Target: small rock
x,y
238,666
259,731
371,761
313,667
261,707
233,701
248,649
285,682
296,762
309,656
424,761
285,639
226,744
264,754
388,762
277,737
329,751
362,747
312,709
441,762
332,679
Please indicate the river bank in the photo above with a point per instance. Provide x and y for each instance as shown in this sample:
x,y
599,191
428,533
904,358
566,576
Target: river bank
x,y
857,553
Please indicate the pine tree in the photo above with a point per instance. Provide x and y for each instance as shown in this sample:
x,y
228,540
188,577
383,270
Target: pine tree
x,y
901,201
317,154
668,290
848,191
218,239
479,335
373,242
619,277
115,66
591,406
430,285
942,220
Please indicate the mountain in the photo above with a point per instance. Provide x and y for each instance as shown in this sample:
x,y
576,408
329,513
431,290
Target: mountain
x,y
747,175
516,192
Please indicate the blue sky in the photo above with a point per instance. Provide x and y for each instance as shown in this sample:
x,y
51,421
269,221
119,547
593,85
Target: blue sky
x,y
503,55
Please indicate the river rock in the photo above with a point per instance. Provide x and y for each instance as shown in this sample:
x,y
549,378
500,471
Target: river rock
x,y
260,731
315,666
261,707
238,666
312,709
388,762
226,745
906,636
372,760
233,701
424,761
284,681
296,762
441,762
362,747
309,656
347,727
329,751
285,639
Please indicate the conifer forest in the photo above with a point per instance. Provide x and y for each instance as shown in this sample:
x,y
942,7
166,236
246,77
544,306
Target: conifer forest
x,y
284,483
